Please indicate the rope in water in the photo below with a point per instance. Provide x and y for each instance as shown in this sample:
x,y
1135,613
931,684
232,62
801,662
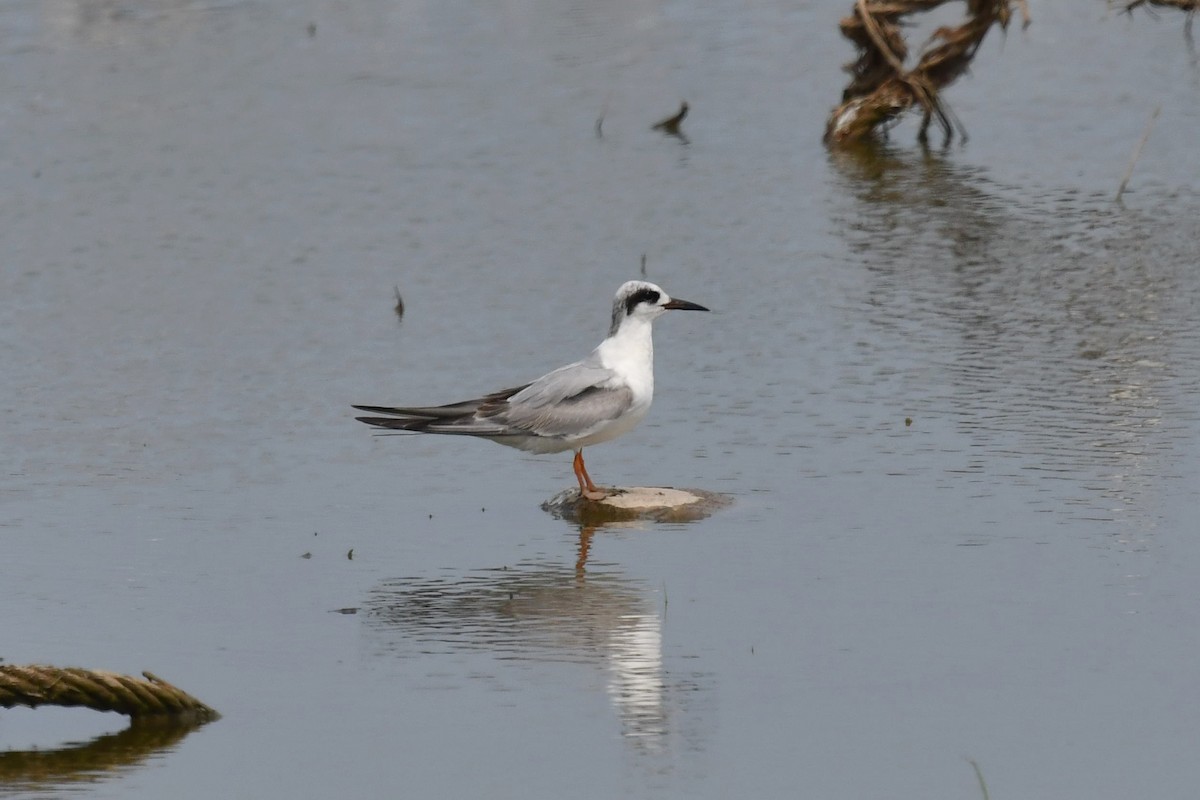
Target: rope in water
x,y
41,685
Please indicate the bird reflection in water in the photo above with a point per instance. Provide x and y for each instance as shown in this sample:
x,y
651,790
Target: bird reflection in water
x,y
1034,325
585,613
542,612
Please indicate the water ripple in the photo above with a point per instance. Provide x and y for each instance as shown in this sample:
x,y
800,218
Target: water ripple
x,y
1053,331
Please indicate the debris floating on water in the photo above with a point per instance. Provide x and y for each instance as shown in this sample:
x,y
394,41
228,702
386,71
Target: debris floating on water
x,y
670,125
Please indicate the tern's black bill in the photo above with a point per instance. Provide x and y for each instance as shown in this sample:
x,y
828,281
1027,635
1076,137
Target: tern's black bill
x,y
683,305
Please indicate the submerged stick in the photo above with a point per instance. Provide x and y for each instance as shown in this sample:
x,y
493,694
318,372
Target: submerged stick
x,y
1137,152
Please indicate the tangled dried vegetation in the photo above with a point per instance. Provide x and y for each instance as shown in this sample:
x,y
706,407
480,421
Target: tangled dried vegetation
x,y
881,89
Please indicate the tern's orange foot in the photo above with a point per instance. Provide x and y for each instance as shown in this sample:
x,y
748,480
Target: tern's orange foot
x,y
593,494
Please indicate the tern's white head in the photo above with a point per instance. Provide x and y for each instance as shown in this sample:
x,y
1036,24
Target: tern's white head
x,y
644,301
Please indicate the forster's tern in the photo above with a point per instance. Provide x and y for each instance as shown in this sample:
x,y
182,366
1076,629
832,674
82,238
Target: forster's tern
x,y
585,403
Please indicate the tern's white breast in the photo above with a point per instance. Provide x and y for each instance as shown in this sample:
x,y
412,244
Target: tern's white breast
x,y
630,355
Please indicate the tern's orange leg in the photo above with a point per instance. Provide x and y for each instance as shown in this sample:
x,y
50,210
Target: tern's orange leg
x,y
586,487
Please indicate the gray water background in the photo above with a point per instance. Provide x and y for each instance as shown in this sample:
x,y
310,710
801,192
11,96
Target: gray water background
x,y
206,206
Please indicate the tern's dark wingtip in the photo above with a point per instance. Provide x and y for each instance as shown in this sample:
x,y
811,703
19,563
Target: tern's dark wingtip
x,y
376,409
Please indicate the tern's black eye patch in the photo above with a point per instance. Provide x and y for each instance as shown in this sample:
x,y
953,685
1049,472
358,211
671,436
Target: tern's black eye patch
x,y
640,296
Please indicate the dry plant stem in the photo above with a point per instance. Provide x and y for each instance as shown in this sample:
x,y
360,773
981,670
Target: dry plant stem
x,y
872,28
979,777
1137,152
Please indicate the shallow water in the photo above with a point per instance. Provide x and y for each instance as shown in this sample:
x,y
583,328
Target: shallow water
x,y
953,393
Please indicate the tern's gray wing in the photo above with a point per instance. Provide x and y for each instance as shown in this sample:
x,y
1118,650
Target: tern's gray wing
x,y
570,401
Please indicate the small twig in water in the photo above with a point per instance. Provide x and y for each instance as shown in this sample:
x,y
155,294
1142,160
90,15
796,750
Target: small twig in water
x,y
600,119
399,302
1137,151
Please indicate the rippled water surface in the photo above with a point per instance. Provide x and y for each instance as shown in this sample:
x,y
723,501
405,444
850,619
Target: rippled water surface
x,y
953,393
